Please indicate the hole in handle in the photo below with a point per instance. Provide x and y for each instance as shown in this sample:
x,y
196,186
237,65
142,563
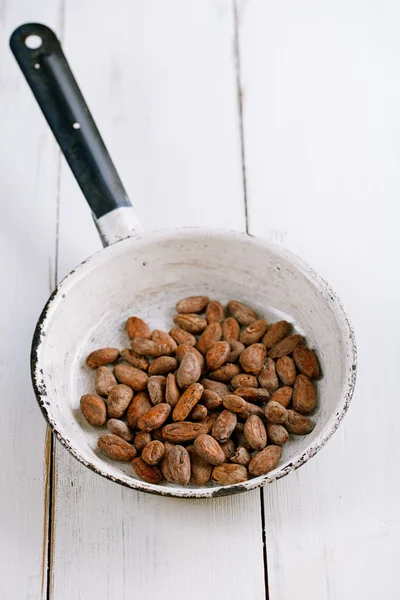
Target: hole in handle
x,y
33,42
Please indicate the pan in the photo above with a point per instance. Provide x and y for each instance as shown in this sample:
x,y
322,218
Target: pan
x,y
144,274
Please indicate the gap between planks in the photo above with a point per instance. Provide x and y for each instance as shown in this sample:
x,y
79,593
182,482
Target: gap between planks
x,y
239,88
50,462
48,452
236,52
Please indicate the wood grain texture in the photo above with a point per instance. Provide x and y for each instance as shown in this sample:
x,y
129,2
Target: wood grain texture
x,y
159,78
321,89
29,162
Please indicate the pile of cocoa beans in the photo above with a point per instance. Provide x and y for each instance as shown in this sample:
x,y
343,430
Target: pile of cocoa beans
x,y
215,399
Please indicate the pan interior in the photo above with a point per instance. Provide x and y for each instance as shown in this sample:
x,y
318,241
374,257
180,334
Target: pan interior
x,y
145,276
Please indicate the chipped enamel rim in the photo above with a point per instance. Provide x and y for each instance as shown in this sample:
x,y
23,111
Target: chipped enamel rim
x,y
331,298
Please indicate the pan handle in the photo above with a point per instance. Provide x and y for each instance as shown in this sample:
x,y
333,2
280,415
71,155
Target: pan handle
x,y
42,61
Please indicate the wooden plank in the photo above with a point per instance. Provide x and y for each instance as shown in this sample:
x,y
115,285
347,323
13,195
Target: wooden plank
x,y
321,120
162,86
29,161
159,78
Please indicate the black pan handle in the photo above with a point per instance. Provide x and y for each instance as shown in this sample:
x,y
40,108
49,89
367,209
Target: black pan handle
x,y
53,84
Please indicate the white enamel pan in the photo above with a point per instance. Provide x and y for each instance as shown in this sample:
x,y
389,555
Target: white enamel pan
x,y
145,274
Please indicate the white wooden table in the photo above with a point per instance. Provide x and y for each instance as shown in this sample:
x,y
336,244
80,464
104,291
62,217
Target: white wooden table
x,y
308,158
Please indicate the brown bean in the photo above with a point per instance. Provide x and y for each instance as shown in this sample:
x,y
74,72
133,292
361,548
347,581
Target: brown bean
x,y
251,409
244,380
252,358
163,365
138,407
182,337
306,361
94,409
163,338
304,398
276,413
155,417
189,371
229,474
147,347
183,431
277,434
214,312
209,449
150,474
192,304
116,448
104,381
241,456
286,346
276,333
165,463
172,393
224,426
286,370
141,440
185,349
118,400
120,428
179,464
255,433
156,386
210,336
253,332
104,356
230,330
253,394
200,469
187,401
190,322
242,313
225,373
211,400
198,413
134,378
283,396
265,461
267,377
153,452
135,359
234,403
136,327
217,355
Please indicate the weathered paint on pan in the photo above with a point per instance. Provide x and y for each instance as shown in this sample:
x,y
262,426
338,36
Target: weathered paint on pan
x,y
145,274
